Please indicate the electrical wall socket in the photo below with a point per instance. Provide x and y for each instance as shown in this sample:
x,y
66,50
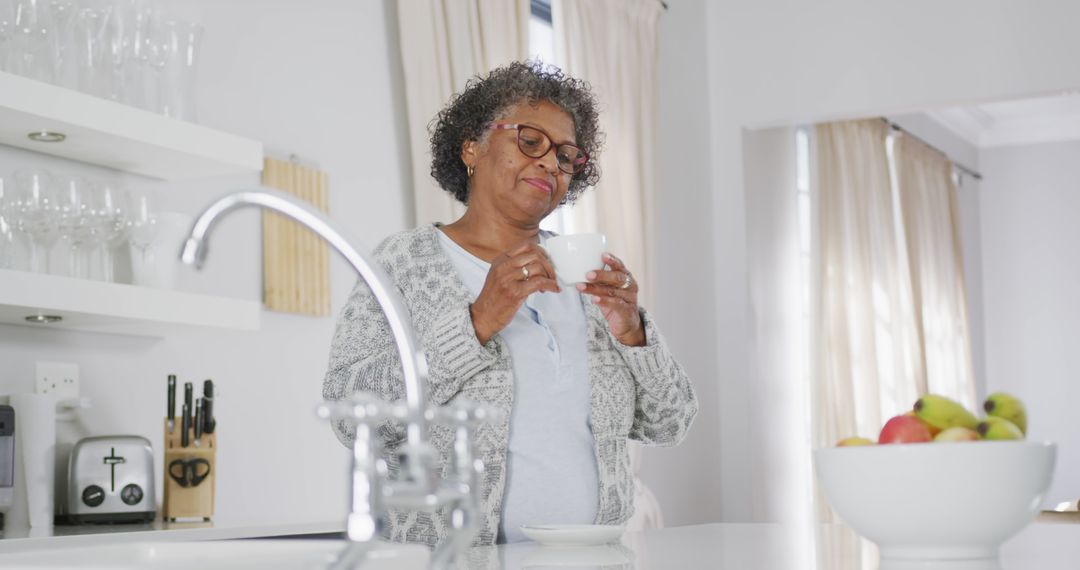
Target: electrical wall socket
x,y
60,379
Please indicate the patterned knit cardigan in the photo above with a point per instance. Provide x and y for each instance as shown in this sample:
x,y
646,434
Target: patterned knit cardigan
x,y
638,393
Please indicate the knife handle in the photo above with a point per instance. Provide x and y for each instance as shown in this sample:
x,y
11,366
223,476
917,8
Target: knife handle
x,y
208,406
171,411
185,425
198,420
188,392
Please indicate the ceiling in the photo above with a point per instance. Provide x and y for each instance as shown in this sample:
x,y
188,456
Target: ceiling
x,y
1020,122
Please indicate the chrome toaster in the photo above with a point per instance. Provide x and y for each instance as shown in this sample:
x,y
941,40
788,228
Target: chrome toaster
x,y
111,479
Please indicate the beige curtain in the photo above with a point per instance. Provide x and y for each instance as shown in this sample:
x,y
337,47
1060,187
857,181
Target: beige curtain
x,y
869,362
612,44
932,228
891,311
443,44
867,358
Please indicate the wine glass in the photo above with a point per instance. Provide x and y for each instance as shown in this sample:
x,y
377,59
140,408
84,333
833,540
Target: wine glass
x,y
7,233
116,51
109,222
76,222
7,29
35,214
142,225
138,14
32,41
63,17
175,58
91,68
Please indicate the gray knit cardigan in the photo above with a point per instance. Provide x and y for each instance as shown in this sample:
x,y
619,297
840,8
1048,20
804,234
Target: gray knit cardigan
x,y
638,393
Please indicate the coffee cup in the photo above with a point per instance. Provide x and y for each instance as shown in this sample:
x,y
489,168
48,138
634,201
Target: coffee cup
x,y
575,255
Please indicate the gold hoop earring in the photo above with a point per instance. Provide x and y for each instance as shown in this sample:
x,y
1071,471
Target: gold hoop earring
x,y
470,169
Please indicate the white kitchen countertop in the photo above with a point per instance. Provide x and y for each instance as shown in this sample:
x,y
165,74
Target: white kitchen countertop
x,y
1041,546
220,528
727,546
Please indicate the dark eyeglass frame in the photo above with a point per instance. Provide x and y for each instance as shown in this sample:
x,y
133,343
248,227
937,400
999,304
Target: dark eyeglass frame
x,y
547,148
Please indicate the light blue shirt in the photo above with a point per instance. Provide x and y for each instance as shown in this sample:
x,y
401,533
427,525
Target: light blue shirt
x,y
551,473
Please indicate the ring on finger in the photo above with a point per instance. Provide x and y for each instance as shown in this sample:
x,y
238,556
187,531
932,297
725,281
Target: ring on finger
x,y
525,272
627,280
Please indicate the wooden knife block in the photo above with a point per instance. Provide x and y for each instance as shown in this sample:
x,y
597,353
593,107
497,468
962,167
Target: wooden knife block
x,y
189,502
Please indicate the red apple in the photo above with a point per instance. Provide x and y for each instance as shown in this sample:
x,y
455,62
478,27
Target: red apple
x,y
933,430
904,429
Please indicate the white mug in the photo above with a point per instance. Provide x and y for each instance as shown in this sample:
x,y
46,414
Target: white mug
x,y
576,255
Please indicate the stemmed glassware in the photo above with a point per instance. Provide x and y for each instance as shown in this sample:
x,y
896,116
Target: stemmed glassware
x,y
137,14
174,57
142,223
110,223
7,233
90,49
63,48
34,214
76,221
7,30
93,218
116,50
125,50
33,40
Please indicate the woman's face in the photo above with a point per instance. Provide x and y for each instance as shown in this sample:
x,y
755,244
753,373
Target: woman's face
x,y
509,182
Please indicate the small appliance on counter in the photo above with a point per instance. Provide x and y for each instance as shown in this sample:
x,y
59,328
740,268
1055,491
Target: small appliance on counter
x,y
7,457
110,479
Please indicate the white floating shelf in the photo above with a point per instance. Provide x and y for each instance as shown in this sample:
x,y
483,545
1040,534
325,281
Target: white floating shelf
x,y
94,306
118,136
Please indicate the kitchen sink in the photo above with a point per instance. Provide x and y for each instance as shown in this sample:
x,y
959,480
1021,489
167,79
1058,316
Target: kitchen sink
x,y
263,554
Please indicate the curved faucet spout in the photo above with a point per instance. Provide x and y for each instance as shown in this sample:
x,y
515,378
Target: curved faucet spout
x,y
413,362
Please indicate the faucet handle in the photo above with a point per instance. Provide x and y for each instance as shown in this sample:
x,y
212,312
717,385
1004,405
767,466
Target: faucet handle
x,y
465,412
361,408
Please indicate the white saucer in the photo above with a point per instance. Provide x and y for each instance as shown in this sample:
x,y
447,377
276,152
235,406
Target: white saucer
x,y
572,534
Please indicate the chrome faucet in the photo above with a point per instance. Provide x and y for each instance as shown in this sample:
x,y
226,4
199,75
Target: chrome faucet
x,y
418,486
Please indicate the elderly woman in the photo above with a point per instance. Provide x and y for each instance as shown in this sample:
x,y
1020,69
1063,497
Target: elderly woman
x,y
578,370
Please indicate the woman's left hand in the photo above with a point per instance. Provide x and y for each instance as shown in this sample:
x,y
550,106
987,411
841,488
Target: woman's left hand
x,y
615,291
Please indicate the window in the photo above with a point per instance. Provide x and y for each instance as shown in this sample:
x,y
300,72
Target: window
x,y
541,34
542,48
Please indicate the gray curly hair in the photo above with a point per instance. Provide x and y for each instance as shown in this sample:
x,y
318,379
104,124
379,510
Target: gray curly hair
x,y
489,98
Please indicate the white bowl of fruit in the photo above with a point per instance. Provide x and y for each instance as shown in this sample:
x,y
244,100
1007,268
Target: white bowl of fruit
x,y
940,483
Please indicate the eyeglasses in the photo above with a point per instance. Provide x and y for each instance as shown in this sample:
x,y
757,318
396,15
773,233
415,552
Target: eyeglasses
x,y
535,143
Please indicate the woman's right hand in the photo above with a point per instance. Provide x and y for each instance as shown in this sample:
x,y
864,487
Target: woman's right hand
x,y
507,287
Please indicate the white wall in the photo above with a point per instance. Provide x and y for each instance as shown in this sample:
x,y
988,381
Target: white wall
x,y
778,326
683,478
1030,200
315,79
781,62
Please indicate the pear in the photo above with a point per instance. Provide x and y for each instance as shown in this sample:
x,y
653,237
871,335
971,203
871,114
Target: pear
x,y
943,413
1007,406
995,428
957,433
854,441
